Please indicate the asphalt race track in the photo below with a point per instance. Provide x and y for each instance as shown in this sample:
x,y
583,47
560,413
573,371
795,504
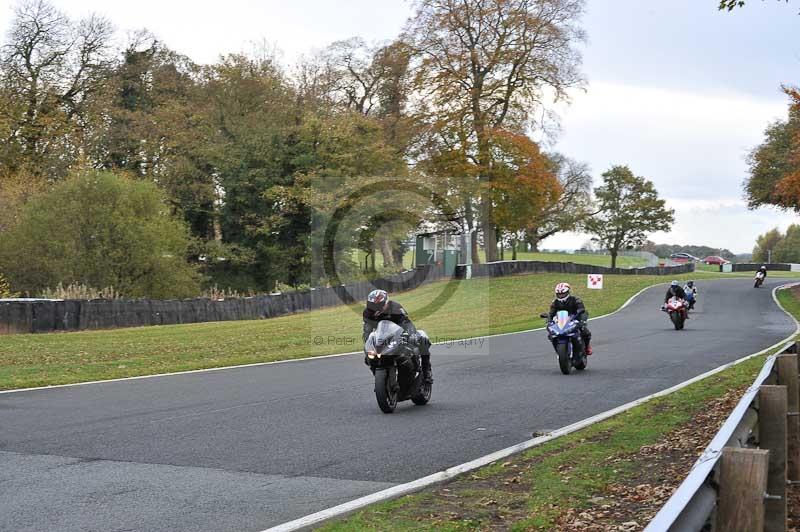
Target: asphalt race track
x,y
248,448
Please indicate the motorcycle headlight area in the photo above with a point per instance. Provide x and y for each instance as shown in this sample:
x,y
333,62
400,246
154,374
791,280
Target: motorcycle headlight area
x,y
391,346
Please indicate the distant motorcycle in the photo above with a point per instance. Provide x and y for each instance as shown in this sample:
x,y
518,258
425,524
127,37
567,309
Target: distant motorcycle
x,y
676,308
759,280
690,299
397,367
565,334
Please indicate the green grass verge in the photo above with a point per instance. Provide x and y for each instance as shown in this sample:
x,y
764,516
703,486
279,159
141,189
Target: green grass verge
x,y
531,490
472,308
789,301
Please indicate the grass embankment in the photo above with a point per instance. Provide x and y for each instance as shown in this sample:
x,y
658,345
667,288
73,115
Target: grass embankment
x,y
611,476
470,308
577,258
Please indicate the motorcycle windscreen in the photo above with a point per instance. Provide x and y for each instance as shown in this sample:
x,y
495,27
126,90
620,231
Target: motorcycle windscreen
x,y
562,319
387,336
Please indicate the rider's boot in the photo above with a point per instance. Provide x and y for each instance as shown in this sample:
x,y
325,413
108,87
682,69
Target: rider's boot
x,y
588,349
427,372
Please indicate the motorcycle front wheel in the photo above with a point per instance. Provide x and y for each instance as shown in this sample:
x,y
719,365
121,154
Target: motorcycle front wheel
x,y
564,361
676,320
423,394
387,398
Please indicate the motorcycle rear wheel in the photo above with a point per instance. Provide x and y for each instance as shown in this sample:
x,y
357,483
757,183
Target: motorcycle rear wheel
x,y
564,361
387,399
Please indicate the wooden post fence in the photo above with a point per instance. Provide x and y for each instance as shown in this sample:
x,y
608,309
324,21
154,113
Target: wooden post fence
x,y
772,437
743,483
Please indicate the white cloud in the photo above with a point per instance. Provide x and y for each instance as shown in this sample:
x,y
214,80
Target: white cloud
x,y
691,145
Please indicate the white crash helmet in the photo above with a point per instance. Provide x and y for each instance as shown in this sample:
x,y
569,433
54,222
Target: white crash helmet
x,y
562,291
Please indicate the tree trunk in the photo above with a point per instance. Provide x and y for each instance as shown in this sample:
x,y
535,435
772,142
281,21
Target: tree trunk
x,y
499,237
614,257
489,230
485,169
386,251
469,217
476,256
514,248
534,244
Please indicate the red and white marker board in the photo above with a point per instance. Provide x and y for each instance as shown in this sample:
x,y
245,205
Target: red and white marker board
x,y
595,281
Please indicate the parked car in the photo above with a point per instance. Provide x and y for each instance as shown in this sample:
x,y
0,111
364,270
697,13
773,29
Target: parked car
x,y
715,259
683,257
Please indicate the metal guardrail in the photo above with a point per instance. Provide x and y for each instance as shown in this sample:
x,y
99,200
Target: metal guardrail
x,y
692,506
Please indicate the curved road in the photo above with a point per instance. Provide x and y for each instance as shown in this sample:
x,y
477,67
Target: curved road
x,y
248,448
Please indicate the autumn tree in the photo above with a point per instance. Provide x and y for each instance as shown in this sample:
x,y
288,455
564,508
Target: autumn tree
x,y
156,126
766,244
50,69
775,165
788,248
487,65
524,184
628,209
569,208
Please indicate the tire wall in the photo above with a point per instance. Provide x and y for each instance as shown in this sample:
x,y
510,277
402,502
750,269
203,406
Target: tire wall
x,y
503,268
40,316
746,267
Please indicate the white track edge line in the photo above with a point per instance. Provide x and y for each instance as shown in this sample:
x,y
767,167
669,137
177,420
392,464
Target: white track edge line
x,y
442,476
318,357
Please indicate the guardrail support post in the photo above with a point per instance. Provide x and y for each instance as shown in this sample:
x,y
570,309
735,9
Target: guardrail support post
x,y
788,376
743,483
772,401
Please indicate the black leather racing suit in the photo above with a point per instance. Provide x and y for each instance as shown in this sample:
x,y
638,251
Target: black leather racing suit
x,y
395,313
674,291
575,307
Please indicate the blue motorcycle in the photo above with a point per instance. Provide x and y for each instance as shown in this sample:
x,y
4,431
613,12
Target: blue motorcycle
x,y
565,334
690,299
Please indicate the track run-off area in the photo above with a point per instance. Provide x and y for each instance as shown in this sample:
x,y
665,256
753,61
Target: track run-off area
x,y
251,447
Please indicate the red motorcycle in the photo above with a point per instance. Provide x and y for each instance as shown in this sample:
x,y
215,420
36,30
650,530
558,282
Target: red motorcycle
x,y
676,308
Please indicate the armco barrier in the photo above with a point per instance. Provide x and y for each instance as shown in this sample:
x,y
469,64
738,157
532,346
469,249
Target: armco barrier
x,y
48,315
503,268
765,418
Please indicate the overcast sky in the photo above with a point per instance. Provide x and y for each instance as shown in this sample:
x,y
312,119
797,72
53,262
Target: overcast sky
x,y
677,90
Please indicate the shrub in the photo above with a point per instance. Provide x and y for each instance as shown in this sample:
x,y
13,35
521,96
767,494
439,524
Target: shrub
x,y
5,288
99,229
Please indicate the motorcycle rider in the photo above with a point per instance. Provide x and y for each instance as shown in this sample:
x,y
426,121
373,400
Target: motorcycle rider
x,y
675,290
574,307
380,307
690,288
763,271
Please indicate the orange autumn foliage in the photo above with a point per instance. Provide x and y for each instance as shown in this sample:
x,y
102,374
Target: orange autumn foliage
x,y
788,187
523,180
